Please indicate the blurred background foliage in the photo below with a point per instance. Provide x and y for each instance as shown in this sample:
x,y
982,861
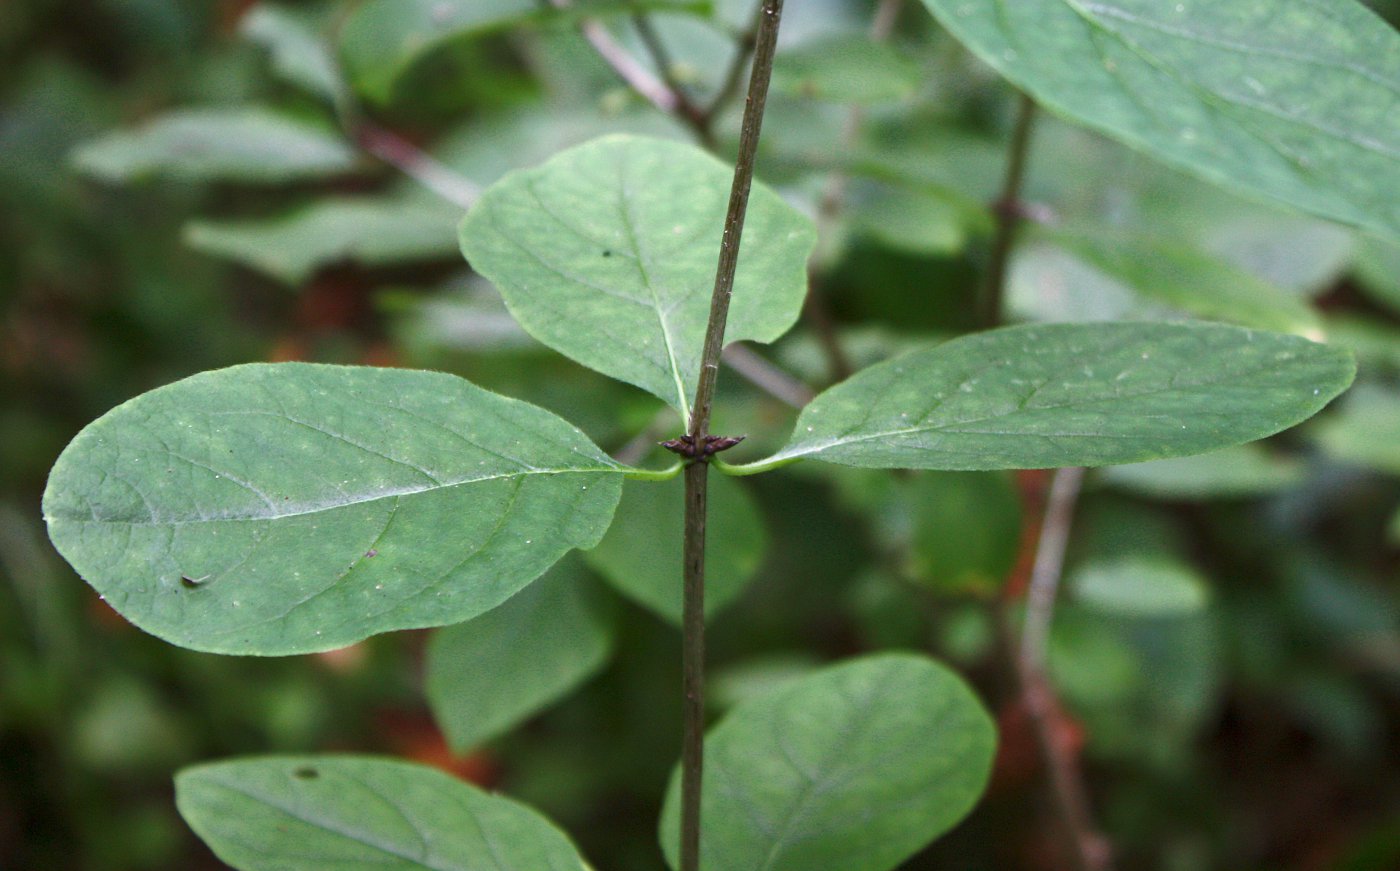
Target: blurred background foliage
x,y
185,186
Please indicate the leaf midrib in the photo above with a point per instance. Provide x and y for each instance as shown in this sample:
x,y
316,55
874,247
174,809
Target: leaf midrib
x,y
332,506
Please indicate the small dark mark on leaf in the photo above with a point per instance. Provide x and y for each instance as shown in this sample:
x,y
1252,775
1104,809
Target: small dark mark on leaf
x,y
192,582
306,773
371,553
607,253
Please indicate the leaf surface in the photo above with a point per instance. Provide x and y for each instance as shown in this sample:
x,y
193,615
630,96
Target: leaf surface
x,y
1069,395
1191,281
1140,586
289,508
852,768
371,231
333,813
1293,100
1239,471
247,145
640,555
607,254
488,674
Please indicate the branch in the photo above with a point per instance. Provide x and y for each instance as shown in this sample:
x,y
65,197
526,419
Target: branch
x,y
696,481
662,93
415,163
767,377
1008,211
1089,850
829,210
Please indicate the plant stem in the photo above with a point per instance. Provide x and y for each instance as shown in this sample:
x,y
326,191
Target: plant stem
x,y
693,559
1008,210
1088,849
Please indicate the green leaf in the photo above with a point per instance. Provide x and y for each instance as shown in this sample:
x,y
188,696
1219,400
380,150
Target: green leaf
x,y
846,69
383,39
1378,273
607,254
1288,100
289,508
1239,471
331,813
1140,586
854,767
489,674
966,530
247,145
641,553
370,231
1191,281
1068,395
296,40
1364,431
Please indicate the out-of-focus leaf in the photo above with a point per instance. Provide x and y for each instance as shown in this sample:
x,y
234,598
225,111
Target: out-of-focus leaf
x,y
300,50
1375,343
1243,470
487,675
247,145
329,813
370,231
1190,281
641,553
1287,100
916,222
606,253
1378,273
383,39
966,529
849,69
1139,586
1299,254
291,508
1069,395
852,768
1365,430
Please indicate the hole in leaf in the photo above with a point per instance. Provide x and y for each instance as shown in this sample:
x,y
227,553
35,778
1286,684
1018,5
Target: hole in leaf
x,y
306,773
192,583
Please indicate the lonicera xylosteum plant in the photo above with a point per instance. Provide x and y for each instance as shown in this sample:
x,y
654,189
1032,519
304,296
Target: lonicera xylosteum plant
x,y
279,509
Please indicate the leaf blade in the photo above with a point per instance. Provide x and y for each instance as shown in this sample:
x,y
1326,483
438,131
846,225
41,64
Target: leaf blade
x,y
329,812
1068,395
598,254
1291,101
854,767
481,681
286,508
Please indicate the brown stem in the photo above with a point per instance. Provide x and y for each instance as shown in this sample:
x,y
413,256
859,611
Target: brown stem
x,y
696,480
1088,850
1007,211
415,163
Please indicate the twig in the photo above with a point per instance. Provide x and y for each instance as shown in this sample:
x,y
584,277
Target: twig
x,y
696,480
767,377
415,163
1089,850
662,92
734,76
829,208
1008,211
689,111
